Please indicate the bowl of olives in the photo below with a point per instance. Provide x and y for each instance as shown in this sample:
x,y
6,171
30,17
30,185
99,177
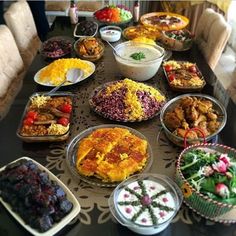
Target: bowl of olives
x,y
86,29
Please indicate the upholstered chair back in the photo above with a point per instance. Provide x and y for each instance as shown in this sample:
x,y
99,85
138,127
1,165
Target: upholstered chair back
x,y
212,34
20,21
11,70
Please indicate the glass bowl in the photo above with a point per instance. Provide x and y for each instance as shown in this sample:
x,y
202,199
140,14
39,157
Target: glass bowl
x,y
138,69
170,105
170,40
95,57
110,33
108,20
71,155
146,203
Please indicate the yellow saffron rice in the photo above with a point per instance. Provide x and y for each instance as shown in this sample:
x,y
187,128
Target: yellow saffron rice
x,y
55,73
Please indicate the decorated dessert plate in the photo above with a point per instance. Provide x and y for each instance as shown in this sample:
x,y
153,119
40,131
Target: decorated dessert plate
x,y
70,197
145,203
117,159
53,79
164,21
126,101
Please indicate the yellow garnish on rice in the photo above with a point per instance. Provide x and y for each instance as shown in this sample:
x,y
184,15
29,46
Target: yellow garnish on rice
x,y
55,73
144,40
57,129
39,100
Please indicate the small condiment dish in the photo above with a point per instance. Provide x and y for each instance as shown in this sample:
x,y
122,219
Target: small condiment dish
x,y
110,33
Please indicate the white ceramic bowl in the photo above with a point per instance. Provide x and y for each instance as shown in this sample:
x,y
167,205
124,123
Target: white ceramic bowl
x,y
110,33
146,203
142,69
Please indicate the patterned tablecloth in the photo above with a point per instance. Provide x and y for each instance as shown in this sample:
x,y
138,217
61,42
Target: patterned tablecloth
x,y
164,152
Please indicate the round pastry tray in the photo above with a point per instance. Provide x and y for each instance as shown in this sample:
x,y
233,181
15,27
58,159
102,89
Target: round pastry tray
x,y
71,155
174,26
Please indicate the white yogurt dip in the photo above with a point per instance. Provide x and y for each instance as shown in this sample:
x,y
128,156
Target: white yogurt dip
x,y
142,69
147,200
110,33
148,52
145,203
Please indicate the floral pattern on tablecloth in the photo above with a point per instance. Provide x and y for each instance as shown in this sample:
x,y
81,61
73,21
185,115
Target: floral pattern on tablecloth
x,y
164,158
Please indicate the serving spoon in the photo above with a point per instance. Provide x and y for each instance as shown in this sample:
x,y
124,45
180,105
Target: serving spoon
x,y
112,47
73,75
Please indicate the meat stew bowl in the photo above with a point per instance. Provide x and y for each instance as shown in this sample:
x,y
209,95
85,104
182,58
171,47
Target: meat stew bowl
x,y
194,132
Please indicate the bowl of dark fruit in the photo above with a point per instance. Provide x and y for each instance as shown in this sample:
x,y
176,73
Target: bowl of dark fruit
x,y
86,29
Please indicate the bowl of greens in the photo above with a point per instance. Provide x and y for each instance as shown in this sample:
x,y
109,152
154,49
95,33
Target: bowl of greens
x,y
206,174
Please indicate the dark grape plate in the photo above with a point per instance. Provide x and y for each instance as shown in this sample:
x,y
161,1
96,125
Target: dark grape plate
x,y
79,34
69,195
57,47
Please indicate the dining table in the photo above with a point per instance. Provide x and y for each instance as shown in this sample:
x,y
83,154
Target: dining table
x,y
95,217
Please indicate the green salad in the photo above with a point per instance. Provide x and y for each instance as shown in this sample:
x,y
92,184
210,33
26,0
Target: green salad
x,y
211,173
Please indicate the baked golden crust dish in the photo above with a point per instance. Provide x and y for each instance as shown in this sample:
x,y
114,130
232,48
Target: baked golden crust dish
x,y
111,154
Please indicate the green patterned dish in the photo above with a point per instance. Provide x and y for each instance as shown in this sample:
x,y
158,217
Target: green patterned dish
x,y
199,202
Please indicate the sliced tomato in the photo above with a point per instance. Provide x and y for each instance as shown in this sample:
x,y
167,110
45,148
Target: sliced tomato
x,y
171,77
66,108
28,121
168,68
63,121
192,69
32,114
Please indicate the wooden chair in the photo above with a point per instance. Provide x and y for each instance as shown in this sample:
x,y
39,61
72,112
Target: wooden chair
x,y
212,34
20,21
11,70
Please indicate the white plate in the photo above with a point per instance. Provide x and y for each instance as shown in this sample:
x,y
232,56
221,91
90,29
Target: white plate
x,y
57,226
36,77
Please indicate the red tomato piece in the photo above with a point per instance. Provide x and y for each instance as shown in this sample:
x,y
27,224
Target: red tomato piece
x,y
171,77
192,69
32,114
28,121
168,68
63,121
66,108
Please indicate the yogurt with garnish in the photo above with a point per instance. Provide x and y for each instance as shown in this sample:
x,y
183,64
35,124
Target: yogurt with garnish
x,y
146,203
138,61
110,33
